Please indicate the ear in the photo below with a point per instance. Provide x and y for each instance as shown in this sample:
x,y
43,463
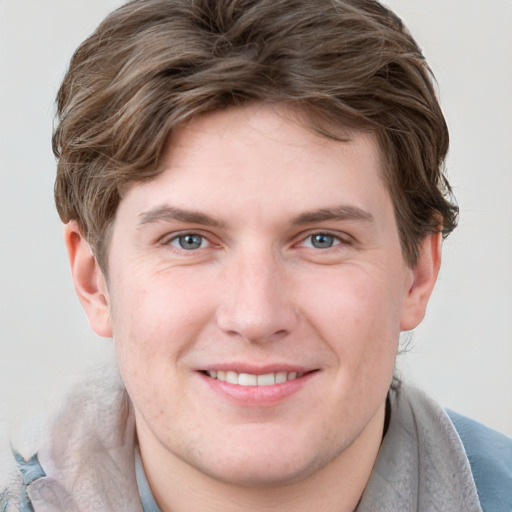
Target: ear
x,y
424,276
90,284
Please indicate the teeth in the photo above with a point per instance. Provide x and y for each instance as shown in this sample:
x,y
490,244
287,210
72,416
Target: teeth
x,y
281,377
232,377
267,379
247,379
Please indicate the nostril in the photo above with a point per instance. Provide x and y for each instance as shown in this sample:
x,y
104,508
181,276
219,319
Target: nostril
x,y
258,338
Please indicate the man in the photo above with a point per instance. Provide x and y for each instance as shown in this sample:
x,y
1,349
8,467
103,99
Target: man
x,y
254,208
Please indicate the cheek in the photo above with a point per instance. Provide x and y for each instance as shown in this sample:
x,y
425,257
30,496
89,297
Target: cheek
x,y
358,315
156,319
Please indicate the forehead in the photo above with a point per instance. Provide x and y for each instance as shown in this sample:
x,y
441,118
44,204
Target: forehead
x,y
266,158
284,125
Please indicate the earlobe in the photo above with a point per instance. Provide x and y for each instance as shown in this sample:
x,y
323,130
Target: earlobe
x,y
424,276
89,281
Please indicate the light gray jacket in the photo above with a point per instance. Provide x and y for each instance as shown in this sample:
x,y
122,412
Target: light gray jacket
x,y
83,460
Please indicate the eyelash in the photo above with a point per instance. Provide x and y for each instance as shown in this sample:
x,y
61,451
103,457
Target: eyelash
x,y
178,236
337,240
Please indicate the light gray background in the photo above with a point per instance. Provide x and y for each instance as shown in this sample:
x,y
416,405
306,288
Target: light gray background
x,y
462,354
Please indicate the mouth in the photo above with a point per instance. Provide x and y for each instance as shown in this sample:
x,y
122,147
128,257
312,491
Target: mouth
x,y
249,379
261,387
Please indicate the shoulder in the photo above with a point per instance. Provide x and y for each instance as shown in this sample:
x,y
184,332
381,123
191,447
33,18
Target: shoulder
x,y
10,481
82,438
490,457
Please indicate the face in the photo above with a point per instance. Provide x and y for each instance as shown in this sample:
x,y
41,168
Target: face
x,y
256,294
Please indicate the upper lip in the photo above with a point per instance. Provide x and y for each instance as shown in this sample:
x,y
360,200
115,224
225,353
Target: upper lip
x,y
253,369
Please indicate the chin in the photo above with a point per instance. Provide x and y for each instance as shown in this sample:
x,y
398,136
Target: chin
x,y
269,459
262,473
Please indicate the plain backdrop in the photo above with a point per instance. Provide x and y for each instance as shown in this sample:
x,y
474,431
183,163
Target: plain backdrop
x,y
462,354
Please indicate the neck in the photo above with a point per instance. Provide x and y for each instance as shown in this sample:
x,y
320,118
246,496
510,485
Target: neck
x,y
336,487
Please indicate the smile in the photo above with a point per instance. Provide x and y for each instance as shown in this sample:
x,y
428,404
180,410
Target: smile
x,y
247,379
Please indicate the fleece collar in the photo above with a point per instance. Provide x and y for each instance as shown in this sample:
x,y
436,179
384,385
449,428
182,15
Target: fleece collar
x,y
421,465
87,452
88,457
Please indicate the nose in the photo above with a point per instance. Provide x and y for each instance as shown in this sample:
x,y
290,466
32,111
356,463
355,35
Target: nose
x,y
257,301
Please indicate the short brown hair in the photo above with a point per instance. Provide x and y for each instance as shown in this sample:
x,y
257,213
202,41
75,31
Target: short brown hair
x,y
153,65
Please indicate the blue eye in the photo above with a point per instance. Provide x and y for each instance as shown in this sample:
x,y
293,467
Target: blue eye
x,y
189,241
322,241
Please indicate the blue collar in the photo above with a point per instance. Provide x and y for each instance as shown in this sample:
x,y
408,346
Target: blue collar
x,y
146,496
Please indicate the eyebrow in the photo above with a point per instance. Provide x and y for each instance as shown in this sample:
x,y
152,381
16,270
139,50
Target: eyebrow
x,y
171,213
339,213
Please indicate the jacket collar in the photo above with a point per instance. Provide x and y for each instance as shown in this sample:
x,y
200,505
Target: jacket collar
x,y
421,465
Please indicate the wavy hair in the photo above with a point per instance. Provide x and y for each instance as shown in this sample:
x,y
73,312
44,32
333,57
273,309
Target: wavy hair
x,y
153,65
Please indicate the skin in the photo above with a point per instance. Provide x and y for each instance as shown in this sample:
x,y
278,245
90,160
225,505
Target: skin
x,y
258,294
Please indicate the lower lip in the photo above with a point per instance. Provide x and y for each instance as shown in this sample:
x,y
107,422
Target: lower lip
x,y
258,396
